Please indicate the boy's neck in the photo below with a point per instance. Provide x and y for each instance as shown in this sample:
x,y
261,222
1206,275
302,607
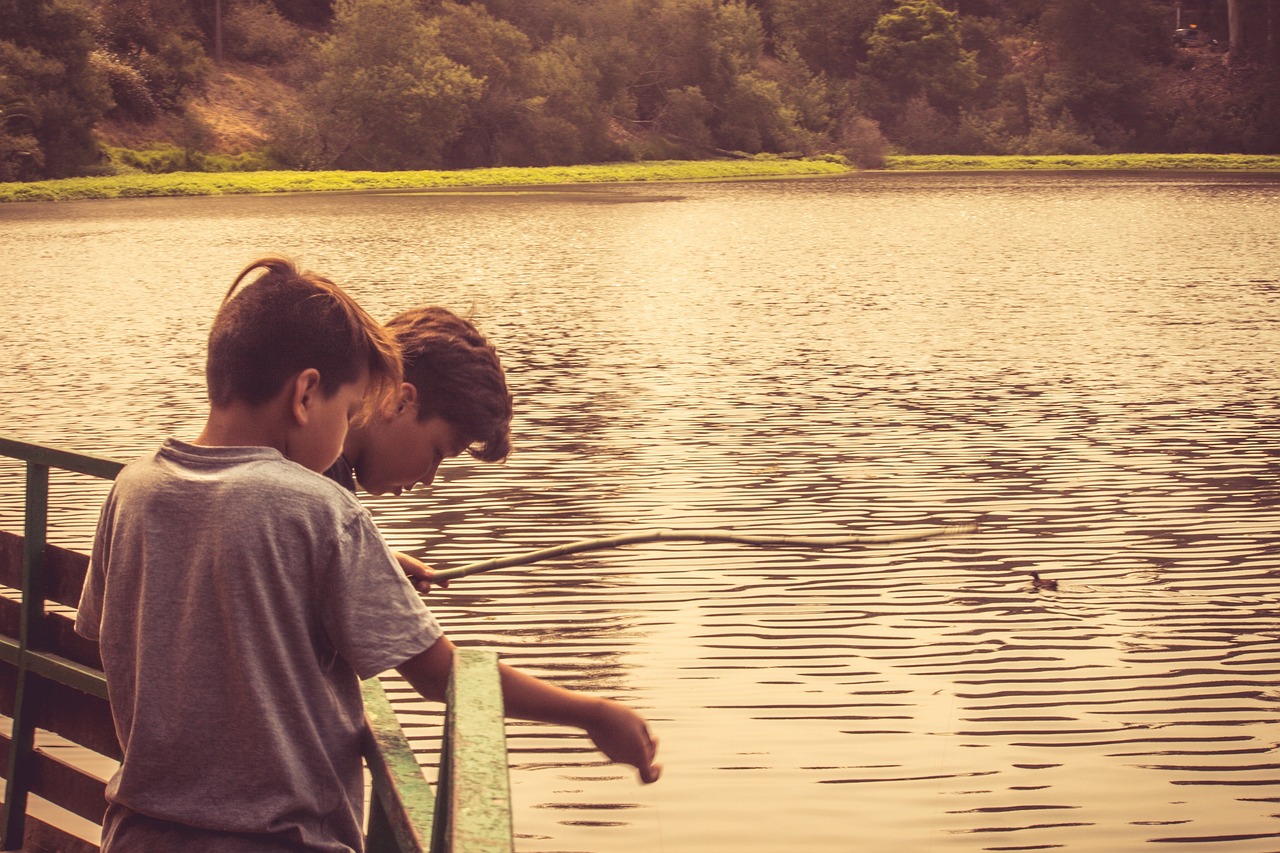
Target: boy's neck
x,y
354,444
241,425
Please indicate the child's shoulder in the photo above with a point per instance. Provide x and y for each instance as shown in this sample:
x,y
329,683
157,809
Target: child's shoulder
x,y
250,475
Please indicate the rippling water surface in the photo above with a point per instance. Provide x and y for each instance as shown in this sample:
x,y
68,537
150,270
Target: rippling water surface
x,y
1084,363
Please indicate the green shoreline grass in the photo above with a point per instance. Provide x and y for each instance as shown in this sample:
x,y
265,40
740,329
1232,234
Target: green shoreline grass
x,y
1086,162
227,183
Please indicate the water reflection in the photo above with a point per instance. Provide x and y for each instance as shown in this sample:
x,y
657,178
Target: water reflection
x,y
1082,363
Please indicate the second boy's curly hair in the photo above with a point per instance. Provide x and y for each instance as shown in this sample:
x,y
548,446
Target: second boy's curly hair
x,y
286,321
458,376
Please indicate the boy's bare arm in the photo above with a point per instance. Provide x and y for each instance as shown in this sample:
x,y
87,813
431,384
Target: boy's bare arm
x,y
617,731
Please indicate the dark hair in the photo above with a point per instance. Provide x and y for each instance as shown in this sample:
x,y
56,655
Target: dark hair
x,y
286,321
458,377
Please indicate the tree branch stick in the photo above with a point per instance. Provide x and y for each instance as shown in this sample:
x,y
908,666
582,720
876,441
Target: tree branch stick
x,y
669,535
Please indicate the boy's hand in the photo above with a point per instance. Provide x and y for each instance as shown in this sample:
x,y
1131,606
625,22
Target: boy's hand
x,y
419,574
623,736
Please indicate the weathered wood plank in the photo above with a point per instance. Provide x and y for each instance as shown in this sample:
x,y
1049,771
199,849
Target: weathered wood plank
x,y
474,788
403,806
64,570
41,837
79,717
54,668
61,645
63,784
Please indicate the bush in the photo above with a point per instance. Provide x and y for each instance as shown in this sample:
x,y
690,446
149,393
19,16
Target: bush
x,y
1061,137
753,117
543,140
159,41
979,134
860,141
295,142
255,32
920,128
129,90
20,156
159,160
685,116
661,148
176,69
164,159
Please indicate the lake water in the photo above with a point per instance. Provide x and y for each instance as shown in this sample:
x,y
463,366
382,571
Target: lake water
x,y
1087,364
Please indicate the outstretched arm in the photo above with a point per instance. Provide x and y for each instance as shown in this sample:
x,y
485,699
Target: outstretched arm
x,y
617,731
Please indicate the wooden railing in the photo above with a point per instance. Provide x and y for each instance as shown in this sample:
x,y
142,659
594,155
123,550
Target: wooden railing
x,y
52,687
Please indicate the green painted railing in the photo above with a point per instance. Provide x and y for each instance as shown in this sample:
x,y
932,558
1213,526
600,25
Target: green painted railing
x,y
52,680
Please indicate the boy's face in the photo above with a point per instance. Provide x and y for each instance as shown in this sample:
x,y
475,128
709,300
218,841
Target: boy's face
x,y
318,443
403,451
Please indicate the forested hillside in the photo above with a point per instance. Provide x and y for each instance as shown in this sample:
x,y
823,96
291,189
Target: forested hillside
x,y
396,84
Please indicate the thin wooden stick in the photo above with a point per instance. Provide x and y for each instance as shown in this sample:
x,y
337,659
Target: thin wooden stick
x,y
669,535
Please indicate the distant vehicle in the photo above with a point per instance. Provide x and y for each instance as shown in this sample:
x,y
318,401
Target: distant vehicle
x,y
1193,37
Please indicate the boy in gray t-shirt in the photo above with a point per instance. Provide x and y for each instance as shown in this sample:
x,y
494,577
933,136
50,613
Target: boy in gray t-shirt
x,y
238,596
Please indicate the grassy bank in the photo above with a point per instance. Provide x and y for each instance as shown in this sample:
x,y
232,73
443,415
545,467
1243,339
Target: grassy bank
x,y
225,183
1104,162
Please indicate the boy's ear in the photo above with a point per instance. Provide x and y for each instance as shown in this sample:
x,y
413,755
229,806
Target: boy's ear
x,y
408,394
303,394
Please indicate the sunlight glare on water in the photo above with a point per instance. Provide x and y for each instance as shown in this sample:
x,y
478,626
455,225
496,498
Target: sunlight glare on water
x,y
1083,363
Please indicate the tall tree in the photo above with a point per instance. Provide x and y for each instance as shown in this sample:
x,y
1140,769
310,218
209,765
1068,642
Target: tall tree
x,y
915,50
539,106
161,41
1103,53
312,13
388,97
1254,28
829,35
1255,54
50,92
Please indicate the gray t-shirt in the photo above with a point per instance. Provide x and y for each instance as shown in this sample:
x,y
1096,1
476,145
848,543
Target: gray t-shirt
x,y
237,598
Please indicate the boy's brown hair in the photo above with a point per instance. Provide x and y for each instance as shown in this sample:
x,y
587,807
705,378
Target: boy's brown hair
x,y
286,321
458,376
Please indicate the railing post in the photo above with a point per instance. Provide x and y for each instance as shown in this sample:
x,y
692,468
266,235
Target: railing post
x,y
35,528
473,790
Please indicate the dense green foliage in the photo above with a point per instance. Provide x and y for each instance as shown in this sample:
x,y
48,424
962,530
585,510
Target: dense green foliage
x,y
394,84
50,96
388,96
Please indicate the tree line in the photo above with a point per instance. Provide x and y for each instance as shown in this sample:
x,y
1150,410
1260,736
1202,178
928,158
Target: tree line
x,y
404,84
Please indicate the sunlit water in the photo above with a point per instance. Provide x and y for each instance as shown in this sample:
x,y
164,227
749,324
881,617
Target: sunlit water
x,y
1084,363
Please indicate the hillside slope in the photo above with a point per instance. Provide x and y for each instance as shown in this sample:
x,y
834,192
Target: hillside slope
x,y
233,115
242,102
